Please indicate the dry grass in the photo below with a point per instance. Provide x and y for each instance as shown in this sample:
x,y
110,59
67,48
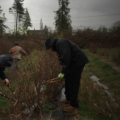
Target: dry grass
x,y
94,95
5,46
38,67
35,70
29,44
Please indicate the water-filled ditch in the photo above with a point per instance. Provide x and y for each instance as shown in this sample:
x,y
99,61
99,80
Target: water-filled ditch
x,y
56,113
96,79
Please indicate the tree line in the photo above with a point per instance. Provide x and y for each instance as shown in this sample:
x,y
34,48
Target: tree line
x,y
23,20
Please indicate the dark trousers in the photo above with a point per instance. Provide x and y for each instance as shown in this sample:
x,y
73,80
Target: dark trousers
x,y
72,83
15,60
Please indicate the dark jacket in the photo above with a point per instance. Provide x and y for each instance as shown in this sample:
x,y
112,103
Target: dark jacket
x,y
69,53
4,61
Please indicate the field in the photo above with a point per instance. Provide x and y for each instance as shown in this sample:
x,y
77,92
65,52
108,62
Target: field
x,y
41,65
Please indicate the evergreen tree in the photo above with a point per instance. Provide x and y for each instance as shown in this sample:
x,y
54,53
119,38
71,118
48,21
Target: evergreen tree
x,y
115,28
41,24
0,11
19,10
3,27
62,18
46,28
27,21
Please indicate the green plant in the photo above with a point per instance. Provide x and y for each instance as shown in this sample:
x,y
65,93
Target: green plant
x,y
3,27
48,108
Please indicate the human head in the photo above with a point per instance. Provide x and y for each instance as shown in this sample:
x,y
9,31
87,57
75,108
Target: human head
x,y
16,43
6,61
50,42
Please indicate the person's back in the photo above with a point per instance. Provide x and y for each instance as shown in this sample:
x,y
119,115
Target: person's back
x,y
77,56
74,60
16,52
69,53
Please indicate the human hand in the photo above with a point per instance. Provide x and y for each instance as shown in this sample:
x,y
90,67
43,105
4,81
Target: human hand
x,y
6,82
61,76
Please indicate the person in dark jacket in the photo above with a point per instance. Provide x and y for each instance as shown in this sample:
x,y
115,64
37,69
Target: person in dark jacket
x,y
74,60
6,61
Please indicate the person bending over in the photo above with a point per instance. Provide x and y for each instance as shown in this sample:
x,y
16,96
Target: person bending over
x,y
71,56
6,61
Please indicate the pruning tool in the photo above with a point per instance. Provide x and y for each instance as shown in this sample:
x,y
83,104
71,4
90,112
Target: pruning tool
x,y
10,88
14,95
54,80
7,97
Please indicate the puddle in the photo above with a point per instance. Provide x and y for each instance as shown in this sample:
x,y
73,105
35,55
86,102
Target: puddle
x,y
96,79
56,114
61,96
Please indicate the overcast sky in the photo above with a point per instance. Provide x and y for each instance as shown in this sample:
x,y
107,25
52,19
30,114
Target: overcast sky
x,y
84,13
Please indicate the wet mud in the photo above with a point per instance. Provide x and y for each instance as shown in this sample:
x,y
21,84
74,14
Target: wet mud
x,y
58,113
55,114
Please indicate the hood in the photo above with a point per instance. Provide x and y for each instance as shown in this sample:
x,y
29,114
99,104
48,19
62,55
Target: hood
x,y
50,42
5,59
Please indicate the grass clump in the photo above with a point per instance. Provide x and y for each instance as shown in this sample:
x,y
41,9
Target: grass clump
x,y
94,95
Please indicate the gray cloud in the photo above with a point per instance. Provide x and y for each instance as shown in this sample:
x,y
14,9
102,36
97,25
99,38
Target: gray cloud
x,y
106,6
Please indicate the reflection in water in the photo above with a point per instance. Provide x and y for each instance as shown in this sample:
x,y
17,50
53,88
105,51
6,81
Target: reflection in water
x,y
57,113
61,96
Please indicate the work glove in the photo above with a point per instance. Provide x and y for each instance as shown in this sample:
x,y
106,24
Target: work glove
x,y
6,82
61,76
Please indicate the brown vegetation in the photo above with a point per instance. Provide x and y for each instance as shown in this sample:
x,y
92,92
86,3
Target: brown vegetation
x,y
35,70
41,65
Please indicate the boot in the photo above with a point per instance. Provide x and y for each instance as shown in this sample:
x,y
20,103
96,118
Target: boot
x,y
70,109
65,102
